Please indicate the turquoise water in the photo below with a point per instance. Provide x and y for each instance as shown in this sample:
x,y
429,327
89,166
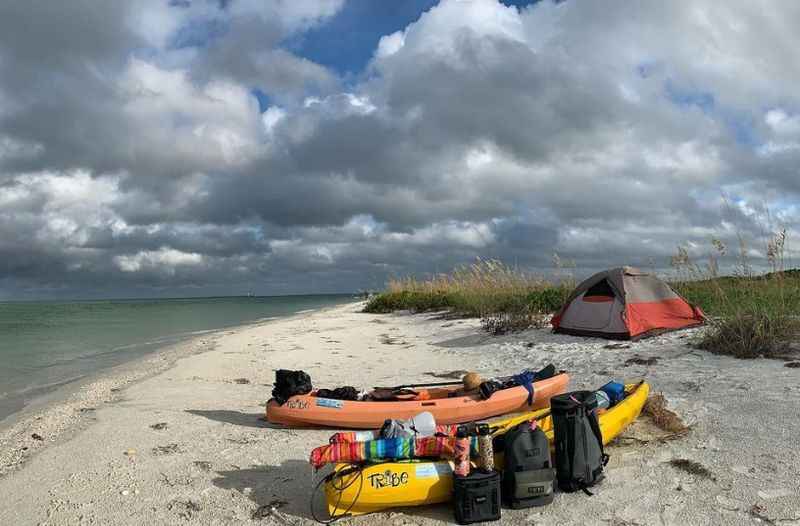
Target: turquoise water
x,y
44,345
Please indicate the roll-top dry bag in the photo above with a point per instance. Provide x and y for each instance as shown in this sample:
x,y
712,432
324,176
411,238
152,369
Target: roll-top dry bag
x,y
580,458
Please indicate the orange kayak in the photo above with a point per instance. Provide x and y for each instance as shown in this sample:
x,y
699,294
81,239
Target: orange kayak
x,y
311,411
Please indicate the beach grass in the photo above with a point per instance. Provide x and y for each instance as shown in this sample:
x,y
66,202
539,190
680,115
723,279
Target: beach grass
x,y
505,298
482,293
728,296
749,315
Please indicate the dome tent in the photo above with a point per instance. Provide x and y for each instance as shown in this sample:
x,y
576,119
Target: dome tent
x,y
624,304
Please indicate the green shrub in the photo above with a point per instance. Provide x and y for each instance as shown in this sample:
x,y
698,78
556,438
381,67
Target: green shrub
x,y
751,334
414,301
726,296
504,298
550,299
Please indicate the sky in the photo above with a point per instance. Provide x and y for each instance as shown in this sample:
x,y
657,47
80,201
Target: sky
x,y
222,147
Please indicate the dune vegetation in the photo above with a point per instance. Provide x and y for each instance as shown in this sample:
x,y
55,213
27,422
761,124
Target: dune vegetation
x,y
505,298
749,314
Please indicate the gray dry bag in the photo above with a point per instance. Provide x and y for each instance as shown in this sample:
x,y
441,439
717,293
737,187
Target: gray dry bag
x,y
578,443
528,478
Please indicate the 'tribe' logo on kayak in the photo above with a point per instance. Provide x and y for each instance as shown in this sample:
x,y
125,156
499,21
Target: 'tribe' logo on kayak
x,y
388,479
297,404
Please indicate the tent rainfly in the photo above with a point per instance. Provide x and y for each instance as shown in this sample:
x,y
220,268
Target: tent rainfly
x,y
624,304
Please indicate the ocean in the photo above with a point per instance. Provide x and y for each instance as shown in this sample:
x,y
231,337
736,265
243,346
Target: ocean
x,y
47,345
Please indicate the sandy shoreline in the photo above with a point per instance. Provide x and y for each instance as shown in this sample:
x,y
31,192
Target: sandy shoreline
x,y
217,462
71,405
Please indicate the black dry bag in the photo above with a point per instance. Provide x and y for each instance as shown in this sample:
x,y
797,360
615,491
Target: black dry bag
x,y
476,497
290,383
578,443
340,393
528,477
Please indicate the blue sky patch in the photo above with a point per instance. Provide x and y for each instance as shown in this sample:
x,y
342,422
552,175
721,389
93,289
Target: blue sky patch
x,y
743,128
689,97
346,42
262,98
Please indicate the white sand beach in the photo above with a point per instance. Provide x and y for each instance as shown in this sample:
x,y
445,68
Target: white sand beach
x,y
216,461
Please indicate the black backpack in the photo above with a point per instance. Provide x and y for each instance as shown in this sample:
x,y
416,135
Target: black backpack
x,y
528,477
476,497
290,383
578,443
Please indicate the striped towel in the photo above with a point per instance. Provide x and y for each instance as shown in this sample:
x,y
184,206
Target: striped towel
x,y
362,436
387,449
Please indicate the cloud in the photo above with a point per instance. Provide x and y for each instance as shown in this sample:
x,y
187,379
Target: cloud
x,y
162,260
182,147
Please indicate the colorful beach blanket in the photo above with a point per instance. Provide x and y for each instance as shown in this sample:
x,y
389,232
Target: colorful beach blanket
x,y
387,449
363,436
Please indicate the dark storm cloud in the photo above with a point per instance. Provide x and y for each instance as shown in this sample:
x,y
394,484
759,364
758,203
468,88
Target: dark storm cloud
x,y
53,60
134,158
37,38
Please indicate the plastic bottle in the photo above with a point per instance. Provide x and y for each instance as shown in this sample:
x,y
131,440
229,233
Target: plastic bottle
x,y
420,425
485,449
461,468
603,402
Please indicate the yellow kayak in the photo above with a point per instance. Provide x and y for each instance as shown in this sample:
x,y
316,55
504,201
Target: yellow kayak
x,y
376,487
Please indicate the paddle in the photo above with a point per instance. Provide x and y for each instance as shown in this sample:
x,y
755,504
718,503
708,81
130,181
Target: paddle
x,y
412,386
436,384
522,418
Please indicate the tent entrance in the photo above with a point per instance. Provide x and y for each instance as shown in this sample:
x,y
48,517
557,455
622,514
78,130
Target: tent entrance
x,y
600,292
597,309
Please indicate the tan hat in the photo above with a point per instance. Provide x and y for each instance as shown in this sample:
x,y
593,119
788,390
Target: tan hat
x,y
471,381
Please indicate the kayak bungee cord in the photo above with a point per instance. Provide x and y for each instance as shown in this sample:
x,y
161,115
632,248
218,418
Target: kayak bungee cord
x,y
331,477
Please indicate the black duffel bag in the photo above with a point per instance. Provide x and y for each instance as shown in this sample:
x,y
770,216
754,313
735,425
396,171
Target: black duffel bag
x,y
290,383
340,393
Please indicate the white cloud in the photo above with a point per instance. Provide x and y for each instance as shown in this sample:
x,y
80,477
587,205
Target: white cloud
x,y
440,234
360,103
606,131
215,125
782,124
271,117
65,206
162,260
294,14
390,44
441,26
340,104
156,20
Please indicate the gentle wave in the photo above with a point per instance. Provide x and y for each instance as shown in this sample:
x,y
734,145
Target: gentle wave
x,y
42,388
50,344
